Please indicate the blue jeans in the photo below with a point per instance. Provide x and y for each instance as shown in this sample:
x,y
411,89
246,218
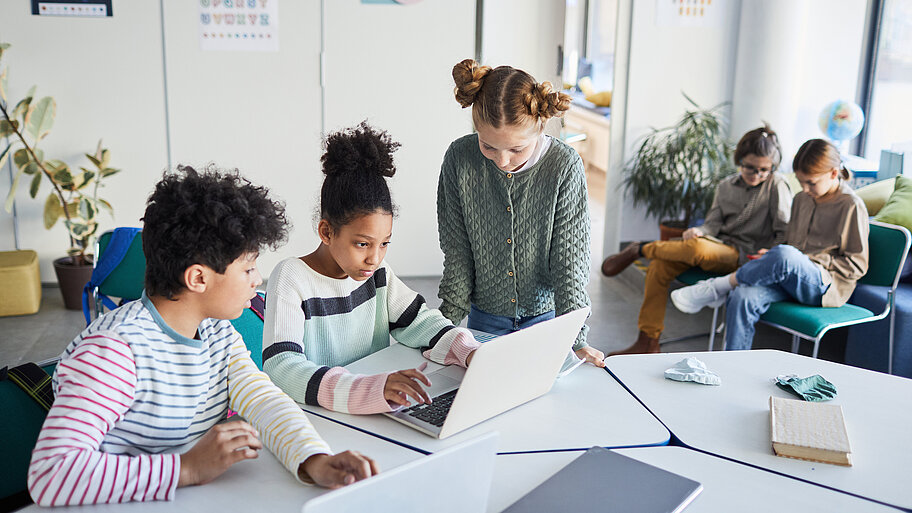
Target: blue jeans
x,y
501,324
784,273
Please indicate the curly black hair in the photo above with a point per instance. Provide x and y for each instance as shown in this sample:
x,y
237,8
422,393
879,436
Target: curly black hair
x,y
206,217
356,162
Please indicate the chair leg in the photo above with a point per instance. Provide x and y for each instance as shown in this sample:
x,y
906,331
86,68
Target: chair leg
x,y
892,303
795,342
816,346
712,331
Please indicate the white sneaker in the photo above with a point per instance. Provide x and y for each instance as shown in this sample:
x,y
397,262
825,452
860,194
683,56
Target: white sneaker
x,y
692,299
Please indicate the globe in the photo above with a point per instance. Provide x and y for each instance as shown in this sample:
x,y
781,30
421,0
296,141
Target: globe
x,y
841,120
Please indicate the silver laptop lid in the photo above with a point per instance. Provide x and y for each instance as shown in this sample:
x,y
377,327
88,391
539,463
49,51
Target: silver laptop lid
x,y
513,369
456,479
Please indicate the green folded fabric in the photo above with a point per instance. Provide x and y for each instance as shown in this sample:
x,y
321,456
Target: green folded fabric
x,y
812,388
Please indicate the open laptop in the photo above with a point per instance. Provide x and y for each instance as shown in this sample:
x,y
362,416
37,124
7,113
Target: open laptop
x,y
621,484
507,371
456,479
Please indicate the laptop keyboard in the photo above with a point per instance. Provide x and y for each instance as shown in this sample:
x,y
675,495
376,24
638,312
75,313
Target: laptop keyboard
x,y
434,413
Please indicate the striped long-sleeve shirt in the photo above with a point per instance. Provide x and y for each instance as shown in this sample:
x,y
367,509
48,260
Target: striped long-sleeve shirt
x,y
316,324
132,394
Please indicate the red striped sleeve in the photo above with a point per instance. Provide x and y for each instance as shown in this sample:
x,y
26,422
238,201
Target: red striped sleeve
x,y
95,384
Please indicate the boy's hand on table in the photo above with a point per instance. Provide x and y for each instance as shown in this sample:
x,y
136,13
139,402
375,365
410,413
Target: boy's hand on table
x,y
591,355
407,383
222,446
335,471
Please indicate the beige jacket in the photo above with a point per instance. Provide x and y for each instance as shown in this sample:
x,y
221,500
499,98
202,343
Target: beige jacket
x,y
834,235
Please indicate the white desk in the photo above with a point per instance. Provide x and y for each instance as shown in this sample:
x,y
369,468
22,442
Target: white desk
x,y
262,484
585,408
727,486
732,420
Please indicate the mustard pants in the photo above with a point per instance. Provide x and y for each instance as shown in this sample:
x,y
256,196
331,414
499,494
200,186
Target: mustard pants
x,y
668,259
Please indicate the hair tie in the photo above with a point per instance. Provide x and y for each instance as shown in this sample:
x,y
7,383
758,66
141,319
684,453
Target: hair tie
x,y
764,134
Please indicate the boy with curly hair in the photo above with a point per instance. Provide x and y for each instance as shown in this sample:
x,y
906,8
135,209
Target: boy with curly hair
x,y
141,385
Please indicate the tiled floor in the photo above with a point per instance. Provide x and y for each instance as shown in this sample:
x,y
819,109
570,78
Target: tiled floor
x,y
615,305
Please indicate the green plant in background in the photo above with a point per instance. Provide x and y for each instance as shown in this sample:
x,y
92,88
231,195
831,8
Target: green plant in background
x,y
676,169
74,194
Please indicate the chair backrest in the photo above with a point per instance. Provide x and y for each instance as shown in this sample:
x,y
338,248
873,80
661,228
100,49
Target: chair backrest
x,y
250,326
126,280
888,245
23,418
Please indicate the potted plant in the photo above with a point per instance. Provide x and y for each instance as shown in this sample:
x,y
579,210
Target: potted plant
x,y
74,194
675,170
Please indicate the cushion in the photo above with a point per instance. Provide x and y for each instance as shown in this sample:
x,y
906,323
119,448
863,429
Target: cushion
x,y
898,208
875,195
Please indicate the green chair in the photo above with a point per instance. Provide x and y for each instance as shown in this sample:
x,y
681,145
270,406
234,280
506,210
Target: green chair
x,y
250,326
888,245
126,281
692,276
23,418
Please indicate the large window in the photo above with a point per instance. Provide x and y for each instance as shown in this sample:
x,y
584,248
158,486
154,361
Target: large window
x,y
889,116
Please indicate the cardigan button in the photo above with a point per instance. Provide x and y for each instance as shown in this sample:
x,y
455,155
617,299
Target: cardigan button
x,y
509,175
510,273
508,209
513,300
509,241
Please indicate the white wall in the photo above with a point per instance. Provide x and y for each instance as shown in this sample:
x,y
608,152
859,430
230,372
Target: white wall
x,y
106,86
392,65
663,62
790,65
255,111
524,34
259,112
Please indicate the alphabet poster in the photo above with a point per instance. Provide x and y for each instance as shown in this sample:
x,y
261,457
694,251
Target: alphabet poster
x,y
239,25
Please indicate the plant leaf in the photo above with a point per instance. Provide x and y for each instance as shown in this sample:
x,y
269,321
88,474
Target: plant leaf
x,y
108,171
52,210
5,154
4,83
63,177
94,160
107,206
11,197
32,169
42,118
36,183
6,128
23,106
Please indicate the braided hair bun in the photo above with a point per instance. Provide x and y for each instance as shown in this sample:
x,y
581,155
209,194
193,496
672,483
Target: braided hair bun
x,y
469,77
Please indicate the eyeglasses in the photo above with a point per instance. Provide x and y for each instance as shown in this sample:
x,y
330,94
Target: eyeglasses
x,y
751,170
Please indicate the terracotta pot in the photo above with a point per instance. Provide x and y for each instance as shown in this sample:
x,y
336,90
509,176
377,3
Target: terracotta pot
x,y
669,230
71,279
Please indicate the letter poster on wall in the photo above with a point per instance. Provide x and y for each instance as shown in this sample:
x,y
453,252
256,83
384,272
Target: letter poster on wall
x,y
239,25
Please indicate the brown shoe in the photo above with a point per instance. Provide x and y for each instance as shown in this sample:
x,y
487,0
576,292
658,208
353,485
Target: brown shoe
x,y
617,262
644,344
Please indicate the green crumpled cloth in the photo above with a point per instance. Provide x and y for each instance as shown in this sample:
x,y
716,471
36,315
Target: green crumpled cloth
x,y
812,388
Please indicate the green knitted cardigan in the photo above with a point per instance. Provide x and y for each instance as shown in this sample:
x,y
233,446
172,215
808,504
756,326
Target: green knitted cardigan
x,y
514,244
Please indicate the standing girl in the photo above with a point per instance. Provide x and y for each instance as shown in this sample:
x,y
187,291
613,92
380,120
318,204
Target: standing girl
x,y
826,252
512,213
750,212
342,302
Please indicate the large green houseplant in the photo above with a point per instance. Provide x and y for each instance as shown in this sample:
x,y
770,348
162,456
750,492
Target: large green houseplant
x,y
74,194
675,170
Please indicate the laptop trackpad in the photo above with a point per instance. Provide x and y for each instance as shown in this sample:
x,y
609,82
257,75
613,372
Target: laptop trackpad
x,y
441,383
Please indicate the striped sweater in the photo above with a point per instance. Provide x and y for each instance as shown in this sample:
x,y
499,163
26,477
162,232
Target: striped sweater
x,y
132,394
315,324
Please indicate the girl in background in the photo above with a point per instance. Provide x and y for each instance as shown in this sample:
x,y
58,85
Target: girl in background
x,y
342,302
825,253
512,212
